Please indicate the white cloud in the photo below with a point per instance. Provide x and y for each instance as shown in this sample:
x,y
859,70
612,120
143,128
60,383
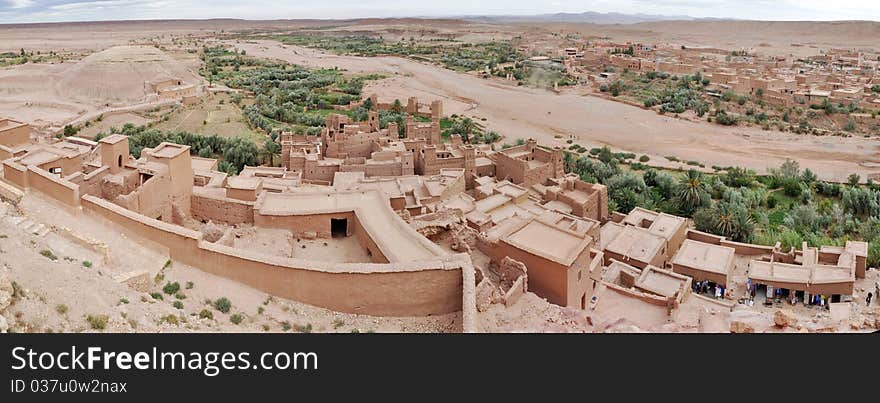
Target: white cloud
x,y
80,10
14,4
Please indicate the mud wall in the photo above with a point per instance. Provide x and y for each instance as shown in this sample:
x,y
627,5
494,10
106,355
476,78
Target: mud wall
x,y
401,289
52,186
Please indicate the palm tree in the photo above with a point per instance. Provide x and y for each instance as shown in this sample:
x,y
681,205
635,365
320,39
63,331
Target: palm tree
x,y
270,149
693,192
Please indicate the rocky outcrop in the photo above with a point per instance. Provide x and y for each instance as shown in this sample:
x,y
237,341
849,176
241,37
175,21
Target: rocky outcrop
x,y
784,318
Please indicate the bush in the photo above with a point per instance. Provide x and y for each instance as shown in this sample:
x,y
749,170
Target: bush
x,y
236,318
171,319
171,288
61,309
98,322
792,187
156,295
223,305
874,254
206,314
49,254
644,158
724,119
178,304
87,264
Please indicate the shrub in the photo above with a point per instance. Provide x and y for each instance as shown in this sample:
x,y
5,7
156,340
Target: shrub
x,y
171,288
874,254
178,304
724,119
49,254
87,264
61,309
236,318
206,314
792,187
123,301
644,158
171,319
303,329
157,295
223,304
97,322
189,285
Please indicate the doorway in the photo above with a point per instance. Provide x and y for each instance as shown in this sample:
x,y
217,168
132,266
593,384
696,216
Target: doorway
x,y
339,227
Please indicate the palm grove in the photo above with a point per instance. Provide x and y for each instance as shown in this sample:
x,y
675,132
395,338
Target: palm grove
x,y
787,204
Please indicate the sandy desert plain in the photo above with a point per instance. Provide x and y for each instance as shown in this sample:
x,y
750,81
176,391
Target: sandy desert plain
x,y
92,76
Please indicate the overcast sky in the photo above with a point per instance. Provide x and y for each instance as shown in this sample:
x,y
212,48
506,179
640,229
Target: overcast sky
x,y
20,11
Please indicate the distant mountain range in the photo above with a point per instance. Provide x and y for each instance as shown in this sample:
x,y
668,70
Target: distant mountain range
x,y
591,17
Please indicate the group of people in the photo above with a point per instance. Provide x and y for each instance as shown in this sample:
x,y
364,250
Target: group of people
x,y
704,286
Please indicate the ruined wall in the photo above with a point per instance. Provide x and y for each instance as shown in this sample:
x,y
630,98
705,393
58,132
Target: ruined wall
x,y
221,209
313,170
507,167
90,183
347,145
151,199
546,278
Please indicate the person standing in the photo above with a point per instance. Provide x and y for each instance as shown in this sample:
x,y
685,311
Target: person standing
x,y
868,300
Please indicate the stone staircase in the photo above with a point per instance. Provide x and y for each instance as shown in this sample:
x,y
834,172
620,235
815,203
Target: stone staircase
x,y
27,225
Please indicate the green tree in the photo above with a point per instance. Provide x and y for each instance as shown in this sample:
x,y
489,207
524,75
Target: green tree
x,y
853,179
270,149
692,193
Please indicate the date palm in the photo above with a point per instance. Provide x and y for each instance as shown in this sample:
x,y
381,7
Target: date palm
x,y
693,192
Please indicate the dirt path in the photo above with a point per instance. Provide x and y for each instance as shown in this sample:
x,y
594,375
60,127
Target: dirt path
x,y
518,112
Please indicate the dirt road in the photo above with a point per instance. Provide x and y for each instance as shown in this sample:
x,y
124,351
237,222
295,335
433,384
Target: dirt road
x,y
518,112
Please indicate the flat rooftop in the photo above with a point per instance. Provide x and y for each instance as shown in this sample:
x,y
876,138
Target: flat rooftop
x,y
8,124
548,242
662,224
39,157
168,150
203,164
240,183
113,139
662,282
632,242
705,257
